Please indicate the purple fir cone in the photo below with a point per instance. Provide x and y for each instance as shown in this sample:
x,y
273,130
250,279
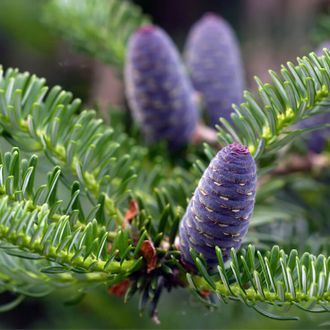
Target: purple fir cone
x,y
316,140
159,93
214,61
219,212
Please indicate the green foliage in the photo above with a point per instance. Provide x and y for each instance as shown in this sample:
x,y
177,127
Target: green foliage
x,y
38,121
70,230
274,278
68,238
66,225
107,25
266,122
36,225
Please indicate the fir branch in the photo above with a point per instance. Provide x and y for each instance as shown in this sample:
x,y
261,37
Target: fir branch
x,y
106,28
80,250
35,225
107,163
82,145
266,123
68,247
274,278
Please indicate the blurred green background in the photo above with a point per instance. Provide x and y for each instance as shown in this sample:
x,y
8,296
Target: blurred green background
x,y
270,32
177,310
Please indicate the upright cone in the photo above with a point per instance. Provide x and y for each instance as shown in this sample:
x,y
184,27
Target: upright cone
x,y
159,93
219,212
213,58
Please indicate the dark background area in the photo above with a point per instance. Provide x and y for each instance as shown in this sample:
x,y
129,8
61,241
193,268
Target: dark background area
x,y
270,32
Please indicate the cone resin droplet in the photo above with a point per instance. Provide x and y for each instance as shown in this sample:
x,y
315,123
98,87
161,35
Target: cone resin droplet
x,y
219,212
214,61
159,93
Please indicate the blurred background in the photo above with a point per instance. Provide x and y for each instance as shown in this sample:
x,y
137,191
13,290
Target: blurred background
x,y
271,32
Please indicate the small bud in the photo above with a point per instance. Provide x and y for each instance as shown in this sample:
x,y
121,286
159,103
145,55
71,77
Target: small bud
x,y
159,93
120,288
149,254
214,61
132,212
219,212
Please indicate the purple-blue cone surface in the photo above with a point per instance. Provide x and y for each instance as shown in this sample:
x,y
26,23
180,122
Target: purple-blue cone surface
x,y
214,61
316,140
319,50
218,214
159,92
